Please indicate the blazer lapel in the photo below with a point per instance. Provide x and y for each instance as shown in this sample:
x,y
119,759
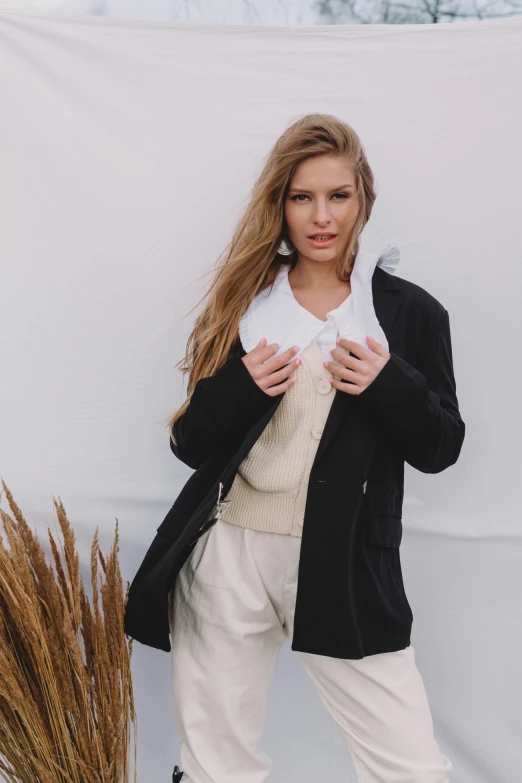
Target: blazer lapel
x,y
386,304
386,299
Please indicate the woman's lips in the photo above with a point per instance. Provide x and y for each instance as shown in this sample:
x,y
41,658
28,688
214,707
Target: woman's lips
x,y
325,243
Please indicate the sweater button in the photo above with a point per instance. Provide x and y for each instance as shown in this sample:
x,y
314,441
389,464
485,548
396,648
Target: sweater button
x,y
324,386
317,431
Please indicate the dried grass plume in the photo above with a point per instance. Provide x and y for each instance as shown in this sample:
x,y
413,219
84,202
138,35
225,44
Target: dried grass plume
x,y
66,696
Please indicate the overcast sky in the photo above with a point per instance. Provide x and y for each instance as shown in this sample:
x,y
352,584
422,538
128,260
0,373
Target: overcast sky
x,y
278,12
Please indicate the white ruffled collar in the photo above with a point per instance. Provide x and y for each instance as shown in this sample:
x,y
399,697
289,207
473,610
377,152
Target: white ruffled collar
x,y
277,315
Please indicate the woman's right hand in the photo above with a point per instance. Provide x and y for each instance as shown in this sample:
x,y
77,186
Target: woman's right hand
x,y
273,377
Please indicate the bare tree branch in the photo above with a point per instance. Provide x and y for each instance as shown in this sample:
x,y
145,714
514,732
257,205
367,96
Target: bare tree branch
x,y
98,8
414,12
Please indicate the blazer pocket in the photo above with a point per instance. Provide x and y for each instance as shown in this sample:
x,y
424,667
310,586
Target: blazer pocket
x,y
385,530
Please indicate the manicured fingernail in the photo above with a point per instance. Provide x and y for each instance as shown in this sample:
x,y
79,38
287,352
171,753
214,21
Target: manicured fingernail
x,y
326,364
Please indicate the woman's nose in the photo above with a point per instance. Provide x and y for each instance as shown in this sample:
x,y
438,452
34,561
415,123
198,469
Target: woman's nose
x,y
322,214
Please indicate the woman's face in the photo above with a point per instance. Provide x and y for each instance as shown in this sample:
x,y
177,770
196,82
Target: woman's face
x,y
321,198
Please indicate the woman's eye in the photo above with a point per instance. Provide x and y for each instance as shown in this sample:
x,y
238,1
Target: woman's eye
x,y
303,195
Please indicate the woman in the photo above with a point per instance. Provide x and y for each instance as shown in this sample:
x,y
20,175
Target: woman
x,y
314,374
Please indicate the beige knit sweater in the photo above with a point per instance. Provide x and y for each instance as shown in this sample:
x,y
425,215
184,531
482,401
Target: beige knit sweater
x,y
270,487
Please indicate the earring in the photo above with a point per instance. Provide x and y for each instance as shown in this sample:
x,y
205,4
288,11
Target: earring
x,y
286,248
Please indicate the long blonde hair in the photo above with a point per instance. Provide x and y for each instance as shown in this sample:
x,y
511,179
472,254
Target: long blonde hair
x,y
252,262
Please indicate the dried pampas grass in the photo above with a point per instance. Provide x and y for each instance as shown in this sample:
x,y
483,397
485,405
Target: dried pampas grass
x,y
66,697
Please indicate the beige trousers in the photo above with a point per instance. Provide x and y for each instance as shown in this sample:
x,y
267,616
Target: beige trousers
x,y
230,611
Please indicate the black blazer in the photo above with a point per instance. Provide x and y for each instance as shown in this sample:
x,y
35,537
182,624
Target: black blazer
x,y
350,595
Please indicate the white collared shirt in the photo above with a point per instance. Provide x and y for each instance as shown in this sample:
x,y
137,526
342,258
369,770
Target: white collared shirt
x,y
277,315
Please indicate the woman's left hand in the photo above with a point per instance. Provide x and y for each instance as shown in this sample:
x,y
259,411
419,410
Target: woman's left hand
x,y
360,370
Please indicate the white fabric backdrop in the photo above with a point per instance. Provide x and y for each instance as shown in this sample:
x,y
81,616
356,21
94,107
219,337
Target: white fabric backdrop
x,y
127,150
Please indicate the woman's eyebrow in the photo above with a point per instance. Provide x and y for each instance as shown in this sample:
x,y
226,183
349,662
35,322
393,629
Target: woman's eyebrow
x,y
302,190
